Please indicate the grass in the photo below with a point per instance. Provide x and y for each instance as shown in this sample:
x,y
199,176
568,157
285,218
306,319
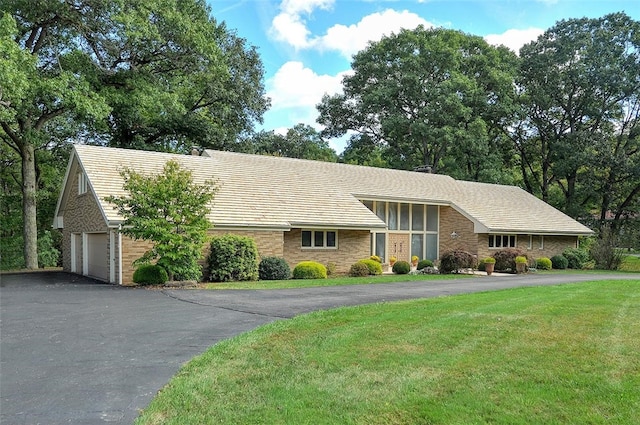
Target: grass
x,y
335,281
630,263
552,355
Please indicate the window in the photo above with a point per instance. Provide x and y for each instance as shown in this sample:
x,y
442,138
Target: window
x,y
319,239
82,183
502,241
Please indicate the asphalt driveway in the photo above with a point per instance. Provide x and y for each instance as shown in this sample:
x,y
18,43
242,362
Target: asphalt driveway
x,y
75,351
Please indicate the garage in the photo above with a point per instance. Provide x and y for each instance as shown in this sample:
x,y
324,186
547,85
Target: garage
x,y
97,256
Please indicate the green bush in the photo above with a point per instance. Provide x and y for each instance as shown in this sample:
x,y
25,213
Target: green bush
x,y
452,261
150,274
401,267
375,258
559,262
424,263
359,269
543,263
373,266
48,253
331,268
576,257
233,258
273,268
604,252
309,270
506,258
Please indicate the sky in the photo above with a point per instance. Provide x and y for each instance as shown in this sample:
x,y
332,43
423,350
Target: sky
x,y
306,46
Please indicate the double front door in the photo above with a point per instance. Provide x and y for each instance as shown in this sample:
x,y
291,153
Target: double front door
x,y
399,246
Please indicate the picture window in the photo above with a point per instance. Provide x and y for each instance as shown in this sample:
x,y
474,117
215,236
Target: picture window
x,y
319,239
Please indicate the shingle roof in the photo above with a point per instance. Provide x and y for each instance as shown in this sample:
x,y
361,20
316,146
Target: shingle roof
x,y
274,192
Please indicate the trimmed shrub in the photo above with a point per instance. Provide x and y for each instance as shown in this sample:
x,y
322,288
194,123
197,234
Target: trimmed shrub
x,y
424,263
359,269
506,258
576,256
331,269
373,266
150,274
375,258
401,267
452,261
543,263
309,270
559,262
233,258
274,268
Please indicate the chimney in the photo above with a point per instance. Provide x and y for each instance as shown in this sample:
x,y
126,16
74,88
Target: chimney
x,y
195,151
424,169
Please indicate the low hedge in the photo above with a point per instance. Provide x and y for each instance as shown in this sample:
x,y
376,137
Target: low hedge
x,y
309,270
150,274
559,262
424,263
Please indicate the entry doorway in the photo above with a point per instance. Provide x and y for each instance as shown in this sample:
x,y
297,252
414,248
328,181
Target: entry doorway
x,y
399,246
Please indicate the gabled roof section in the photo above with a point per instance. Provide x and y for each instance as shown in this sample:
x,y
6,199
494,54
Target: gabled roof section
x,y
280,193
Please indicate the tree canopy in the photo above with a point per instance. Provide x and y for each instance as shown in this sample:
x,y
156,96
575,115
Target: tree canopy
x,y
147,74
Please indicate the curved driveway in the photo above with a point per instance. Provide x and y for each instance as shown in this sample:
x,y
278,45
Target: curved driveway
x,y
75,351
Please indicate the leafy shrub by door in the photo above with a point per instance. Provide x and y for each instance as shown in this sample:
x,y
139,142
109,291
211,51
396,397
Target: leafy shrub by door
x,y
543,263
506,258
577,257
452,261
559,262
233,258
373,266
274,268
150,274
309,270
424,263
401,267
359,269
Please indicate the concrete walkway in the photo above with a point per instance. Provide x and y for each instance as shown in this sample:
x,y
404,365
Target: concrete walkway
x,y
75,351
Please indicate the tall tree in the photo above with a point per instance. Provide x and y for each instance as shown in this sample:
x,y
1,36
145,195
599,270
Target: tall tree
x,y
301,141
152,74
431,96
579,83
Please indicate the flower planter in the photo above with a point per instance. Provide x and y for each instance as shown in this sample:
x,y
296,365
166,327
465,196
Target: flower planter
x,y
488,267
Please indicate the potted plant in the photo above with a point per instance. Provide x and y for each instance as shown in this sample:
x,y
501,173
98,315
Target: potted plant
x,y
489,264
414,261
521,264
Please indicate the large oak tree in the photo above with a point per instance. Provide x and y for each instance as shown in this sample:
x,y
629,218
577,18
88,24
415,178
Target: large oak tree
x,y
151,74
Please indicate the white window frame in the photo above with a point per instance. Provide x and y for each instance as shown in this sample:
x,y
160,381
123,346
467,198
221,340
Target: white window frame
x,y
324,239
82,183
503,237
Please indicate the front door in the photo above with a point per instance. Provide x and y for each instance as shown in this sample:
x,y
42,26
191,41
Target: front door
x,y
399,246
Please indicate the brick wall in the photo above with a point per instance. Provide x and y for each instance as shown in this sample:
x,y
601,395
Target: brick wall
x,y
452,221
552,245
353,245
81,213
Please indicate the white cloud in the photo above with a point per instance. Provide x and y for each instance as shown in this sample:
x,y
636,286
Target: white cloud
x,y
289,25
514,39
353,38
295,85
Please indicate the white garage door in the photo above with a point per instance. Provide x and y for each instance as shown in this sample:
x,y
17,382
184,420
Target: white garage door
x,y
97,256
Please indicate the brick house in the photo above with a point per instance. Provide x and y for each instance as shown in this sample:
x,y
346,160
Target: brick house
x,y
308,210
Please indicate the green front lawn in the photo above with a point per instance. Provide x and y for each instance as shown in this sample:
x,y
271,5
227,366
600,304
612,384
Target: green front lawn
x,y
552,355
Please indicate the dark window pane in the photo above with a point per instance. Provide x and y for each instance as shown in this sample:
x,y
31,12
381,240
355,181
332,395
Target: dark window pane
x,y
318,239
306,238
417,217
331,239
512,241
404,217
491,244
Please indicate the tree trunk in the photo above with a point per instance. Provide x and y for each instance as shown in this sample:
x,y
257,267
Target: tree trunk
x,y
30,229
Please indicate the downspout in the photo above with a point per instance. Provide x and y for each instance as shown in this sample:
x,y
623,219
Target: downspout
x,y
119,254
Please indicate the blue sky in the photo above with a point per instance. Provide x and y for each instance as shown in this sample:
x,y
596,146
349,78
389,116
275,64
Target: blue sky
x,y
306,45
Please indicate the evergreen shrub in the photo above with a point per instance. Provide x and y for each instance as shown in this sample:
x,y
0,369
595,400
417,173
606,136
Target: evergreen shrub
x,y
424,263
543,263
359,269
233,258
150,274
274,268
374,267
559,262
401,267
577,257
309,270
